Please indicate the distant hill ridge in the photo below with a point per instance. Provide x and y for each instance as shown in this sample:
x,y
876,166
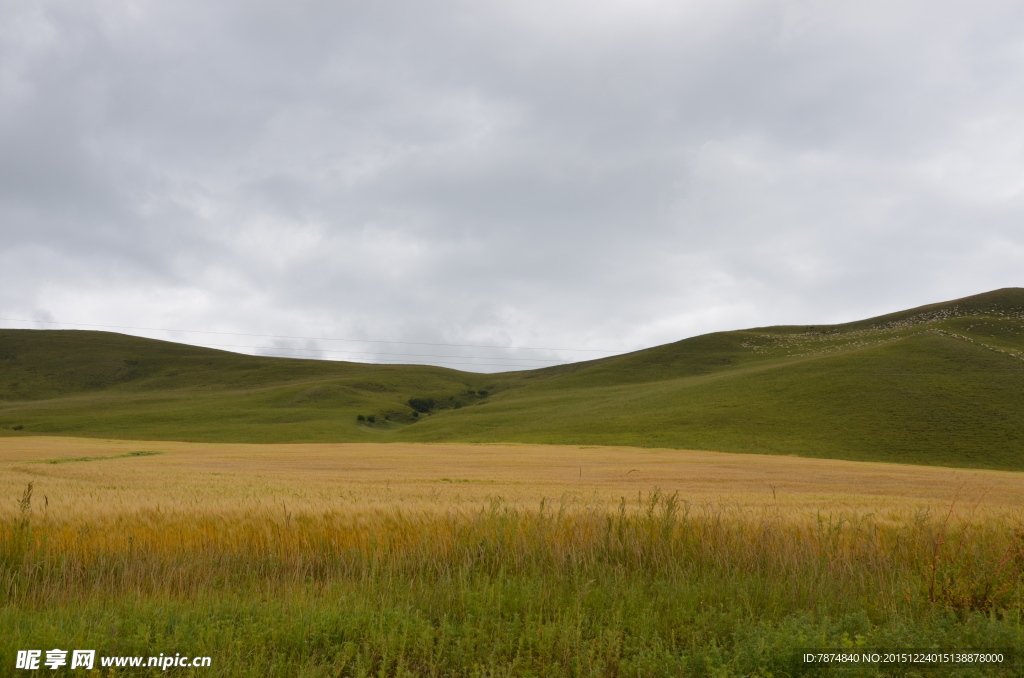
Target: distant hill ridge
x,y
938,384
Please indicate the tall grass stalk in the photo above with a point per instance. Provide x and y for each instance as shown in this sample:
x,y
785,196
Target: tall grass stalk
x,y
656,578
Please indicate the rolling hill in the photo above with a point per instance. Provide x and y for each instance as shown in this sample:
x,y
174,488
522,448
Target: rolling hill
x,y
940,384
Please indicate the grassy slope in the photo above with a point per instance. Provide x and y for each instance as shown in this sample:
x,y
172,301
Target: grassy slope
x,y
105,384
941,384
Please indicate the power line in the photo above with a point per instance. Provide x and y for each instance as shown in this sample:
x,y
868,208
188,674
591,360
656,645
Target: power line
x,y
370,362
398,362
284,336
410,355
270,354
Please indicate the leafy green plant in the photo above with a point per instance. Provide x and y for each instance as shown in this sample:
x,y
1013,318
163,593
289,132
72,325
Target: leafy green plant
x,y
655,588
422,405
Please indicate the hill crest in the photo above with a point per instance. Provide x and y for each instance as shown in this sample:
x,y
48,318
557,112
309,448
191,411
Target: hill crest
x,y
941,384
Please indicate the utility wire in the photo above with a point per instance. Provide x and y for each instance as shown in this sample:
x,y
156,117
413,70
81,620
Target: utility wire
x,y
284,336
386,361
411,355
398,362
374,362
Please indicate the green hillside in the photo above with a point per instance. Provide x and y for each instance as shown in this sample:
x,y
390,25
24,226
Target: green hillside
x,y
940,384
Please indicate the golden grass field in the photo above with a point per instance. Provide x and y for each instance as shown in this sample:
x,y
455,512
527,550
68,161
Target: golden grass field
x,y
299,478
499,560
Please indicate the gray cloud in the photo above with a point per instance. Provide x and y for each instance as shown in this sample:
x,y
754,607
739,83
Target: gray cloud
x,y
582,175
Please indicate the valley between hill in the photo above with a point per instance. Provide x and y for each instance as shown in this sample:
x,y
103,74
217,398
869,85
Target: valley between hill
x,y
940,385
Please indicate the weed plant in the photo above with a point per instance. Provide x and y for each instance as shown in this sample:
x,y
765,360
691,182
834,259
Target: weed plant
x,y
654,587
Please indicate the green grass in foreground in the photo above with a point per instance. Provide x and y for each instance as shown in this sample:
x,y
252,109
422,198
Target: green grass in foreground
x,y
941,384
655,589
546,626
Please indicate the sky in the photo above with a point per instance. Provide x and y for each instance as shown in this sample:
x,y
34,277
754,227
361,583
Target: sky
x,y
398,181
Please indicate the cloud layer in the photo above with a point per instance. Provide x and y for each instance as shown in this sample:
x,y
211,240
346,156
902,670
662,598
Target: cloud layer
x,y
586,175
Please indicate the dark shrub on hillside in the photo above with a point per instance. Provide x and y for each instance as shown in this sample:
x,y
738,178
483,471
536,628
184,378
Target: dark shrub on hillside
x,y
372,419
360,418
422,404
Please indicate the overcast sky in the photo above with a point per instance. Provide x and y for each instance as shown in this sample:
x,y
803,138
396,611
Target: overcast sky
x,y
597,174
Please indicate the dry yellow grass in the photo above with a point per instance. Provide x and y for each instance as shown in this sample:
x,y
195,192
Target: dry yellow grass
x,y
228,478
406,559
